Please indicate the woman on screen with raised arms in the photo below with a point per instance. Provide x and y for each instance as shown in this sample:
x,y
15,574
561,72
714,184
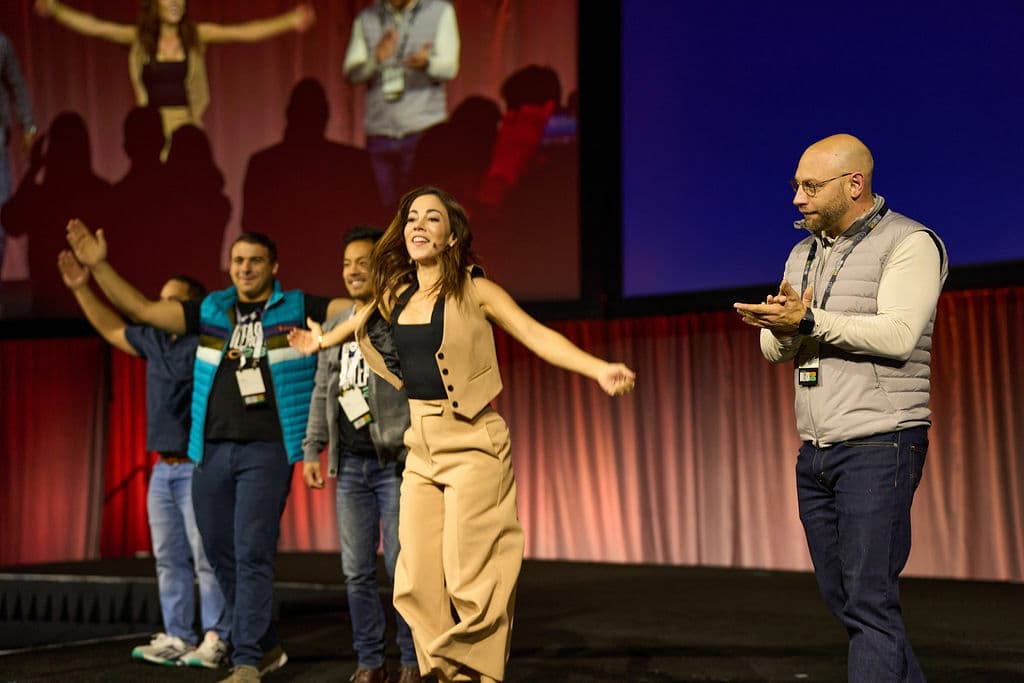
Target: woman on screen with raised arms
x,y
461,542
166,60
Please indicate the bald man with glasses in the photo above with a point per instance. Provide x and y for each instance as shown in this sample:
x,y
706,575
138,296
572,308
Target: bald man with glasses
x,y
858,332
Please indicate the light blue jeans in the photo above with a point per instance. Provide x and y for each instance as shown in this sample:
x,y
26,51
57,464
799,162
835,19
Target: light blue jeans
x,y
367,501
180,558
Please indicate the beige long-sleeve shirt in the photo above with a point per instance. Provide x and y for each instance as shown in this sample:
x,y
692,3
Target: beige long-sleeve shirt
x,y
907,295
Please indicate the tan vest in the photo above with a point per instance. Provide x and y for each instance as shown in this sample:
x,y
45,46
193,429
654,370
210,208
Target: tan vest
x,y
467,359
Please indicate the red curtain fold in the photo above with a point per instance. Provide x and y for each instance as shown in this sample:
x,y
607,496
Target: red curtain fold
x,y
52,433
126,475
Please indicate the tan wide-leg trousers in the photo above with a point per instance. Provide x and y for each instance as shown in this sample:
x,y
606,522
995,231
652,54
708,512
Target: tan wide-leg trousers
x,y
461,542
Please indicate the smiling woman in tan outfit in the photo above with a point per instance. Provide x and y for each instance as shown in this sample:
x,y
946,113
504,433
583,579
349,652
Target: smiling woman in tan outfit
x,y
461,542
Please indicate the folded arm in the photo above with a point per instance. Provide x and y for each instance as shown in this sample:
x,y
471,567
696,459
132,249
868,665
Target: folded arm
x,y
360,63
444,52
908,292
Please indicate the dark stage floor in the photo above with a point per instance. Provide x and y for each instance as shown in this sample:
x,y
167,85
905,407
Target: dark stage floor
x,y
589,622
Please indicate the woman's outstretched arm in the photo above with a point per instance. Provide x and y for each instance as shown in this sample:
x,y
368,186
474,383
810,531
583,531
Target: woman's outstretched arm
x,y
614,378
298,19
85,23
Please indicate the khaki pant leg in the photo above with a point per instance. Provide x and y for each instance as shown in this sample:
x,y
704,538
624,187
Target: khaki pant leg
x,y
482,542
419,593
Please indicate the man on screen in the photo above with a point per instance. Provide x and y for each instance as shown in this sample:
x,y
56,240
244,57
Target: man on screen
x,y
859,334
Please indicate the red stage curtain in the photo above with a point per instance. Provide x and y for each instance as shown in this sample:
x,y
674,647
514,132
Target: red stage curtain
x,y
695,467
126,475
52,433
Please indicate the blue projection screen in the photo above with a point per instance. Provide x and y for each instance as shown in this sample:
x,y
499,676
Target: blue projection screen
x,y
720,97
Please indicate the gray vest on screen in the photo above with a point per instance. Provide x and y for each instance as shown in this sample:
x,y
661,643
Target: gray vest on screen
x,y
423,103
860,395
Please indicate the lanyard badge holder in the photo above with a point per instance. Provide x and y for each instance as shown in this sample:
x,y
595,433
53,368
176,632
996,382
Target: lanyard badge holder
x,y
247,347
392,74
352,399
808,360
808,363
250,380
392,81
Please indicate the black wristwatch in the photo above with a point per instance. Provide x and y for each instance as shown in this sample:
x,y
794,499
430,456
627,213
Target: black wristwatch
x,y
806,323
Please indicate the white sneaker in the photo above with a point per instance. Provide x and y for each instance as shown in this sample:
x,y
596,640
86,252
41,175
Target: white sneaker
x,y
162,649
211,653
273,660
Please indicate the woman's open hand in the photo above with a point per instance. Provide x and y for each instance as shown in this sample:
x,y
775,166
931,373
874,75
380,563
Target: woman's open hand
x,y
306,341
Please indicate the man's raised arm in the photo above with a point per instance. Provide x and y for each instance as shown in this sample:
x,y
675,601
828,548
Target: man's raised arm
x,y
91,251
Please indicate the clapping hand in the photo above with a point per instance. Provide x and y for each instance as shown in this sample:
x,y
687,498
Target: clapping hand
x,y
90,248
780,313
74,274
387,46
419,59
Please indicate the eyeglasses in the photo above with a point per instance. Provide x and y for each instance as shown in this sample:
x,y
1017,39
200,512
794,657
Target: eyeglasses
x,y
811,187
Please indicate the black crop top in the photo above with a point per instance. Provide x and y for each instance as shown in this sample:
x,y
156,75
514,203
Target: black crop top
x,y
417,346
165,83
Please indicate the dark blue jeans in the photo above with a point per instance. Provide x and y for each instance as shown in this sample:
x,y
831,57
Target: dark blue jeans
x,y
855,502
367,500
391,160
239,492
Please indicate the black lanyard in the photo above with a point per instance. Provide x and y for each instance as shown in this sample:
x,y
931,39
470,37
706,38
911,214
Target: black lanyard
x,y
857,239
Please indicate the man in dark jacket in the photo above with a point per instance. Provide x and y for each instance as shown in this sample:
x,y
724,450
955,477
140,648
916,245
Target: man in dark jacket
x,y
362,419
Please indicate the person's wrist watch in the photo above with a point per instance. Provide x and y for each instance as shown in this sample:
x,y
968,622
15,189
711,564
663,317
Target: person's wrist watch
x,y
806,325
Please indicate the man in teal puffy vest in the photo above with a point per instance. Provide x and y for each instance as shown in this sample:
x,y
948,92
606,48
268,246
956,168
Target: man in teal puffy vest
x,y
250,403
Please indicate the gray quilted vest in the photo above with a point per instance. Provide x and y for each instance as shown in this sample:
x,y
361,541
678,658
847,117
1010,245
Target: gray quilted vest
x,y
860,395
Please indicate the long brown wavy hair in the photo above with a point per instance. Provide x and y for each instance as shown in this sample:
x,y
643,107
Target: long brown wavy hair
x,y
149,29
392,267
